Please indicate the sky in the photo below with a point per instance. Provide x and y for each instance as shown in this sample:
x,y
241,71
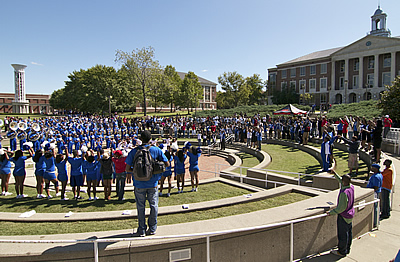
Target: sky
x,y
209,37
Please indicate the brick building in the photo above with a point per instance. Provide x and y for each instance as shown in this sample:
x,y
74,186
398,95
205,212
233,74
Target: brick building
x,y
356,72
37,103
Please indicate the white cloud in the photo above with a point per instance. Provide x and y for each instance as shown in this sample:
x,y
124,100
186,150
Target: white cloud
x,y
204,70
34,63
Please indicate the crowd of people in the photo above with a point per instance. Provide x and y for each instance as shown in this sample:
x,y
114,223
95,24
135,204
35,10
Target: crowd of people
x,y
102,149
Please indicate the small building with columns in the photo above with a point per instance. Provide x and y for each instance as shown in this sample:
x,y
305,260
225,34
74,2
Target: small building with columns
x,y
359,71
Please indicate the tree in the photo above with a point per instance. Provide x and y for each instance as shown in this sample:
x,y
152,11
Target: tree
x,y
390,100
190,91
285,96
170,89
142,68
255,87
91,90
221,100
234,86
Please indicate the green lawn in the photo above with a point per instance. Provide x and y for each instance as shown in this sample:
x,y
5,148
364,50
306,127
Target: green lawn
x,y
207,192
16,228
286,158
248,160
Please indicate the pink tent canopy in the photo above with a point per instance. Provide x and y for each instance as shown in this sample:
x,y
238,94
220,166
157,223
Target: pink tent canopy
x,y
290,110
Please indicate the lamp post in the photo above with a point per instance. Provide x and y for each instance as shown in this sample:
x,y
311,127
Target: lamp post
x,y
366,91
109,105
345,90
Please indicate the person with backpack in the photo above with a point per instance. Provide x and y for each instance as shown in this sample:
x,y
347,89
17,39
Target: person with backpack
x,y
143,162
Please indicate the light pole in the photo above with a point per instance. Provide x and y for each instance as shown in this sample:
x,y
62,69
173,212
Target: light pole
x,y
109,105
366,91
345,90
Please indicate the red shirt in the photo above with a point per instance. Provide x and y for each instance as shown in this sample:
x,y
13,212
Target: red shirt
x,y
387,122
119,164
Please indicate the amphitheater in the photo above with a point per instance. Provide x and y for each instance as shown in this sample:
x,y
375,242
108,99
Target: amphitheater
x,y
299,231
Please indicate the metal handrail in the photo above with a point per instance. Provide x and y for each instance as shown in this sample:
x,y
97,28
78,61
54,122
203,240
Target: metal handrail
x,y
205,234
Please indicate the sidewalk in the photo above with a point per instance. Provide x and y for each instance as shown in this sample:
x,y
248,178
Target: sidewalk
x,y
379,245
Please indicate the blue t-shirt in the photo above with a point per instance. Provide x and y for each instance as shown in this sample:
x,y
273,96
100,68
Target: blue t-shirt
x,y
5,166
40,165
156,153
179,166
193,158
19,168
91,167
76,165
62,167
50,164
376,181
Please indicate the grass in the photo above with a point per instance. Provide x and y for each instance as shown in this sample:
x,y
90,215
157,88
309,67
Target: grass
x,y
207,192
17,228
286,158
248,160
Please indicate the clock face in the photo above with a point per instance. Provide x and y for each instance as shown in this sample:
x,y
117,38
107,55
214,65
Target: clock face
x,y
368,43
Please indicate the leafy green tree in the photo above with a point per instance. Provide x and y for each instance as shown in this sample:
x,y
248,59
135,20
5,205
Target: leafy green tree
x,y
142,68
159,84
190,91
390,100
255,87
285,96
222,101
234,86
92,90
170,89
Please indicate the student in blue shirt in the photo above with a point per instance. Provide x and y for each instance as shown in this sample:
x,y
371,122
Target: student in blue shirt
x,y
50,172
19,171
91,165
146,190
179,168
194,155
5,172
62,176
40,166
167,173
76,176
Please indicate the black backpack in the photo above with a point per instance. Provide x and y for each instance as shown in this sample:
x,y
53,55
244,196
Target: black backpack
x,y
144,166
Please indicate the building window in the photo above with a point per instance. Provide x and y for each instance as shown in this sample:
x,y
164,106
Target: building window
x,y
371,62
302,71
293,72
312,70
323,83
341,83
284,72
312,83
341,64
386,79
283,85
370,80
323,98
356,64
292,84
355,82
324,68
302,84
272,81
207,94
387,61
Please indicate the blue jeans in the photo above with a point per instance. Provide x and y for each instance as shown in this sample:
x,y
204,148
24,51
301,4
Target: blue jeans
x,y
120,186
345,235
151,195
